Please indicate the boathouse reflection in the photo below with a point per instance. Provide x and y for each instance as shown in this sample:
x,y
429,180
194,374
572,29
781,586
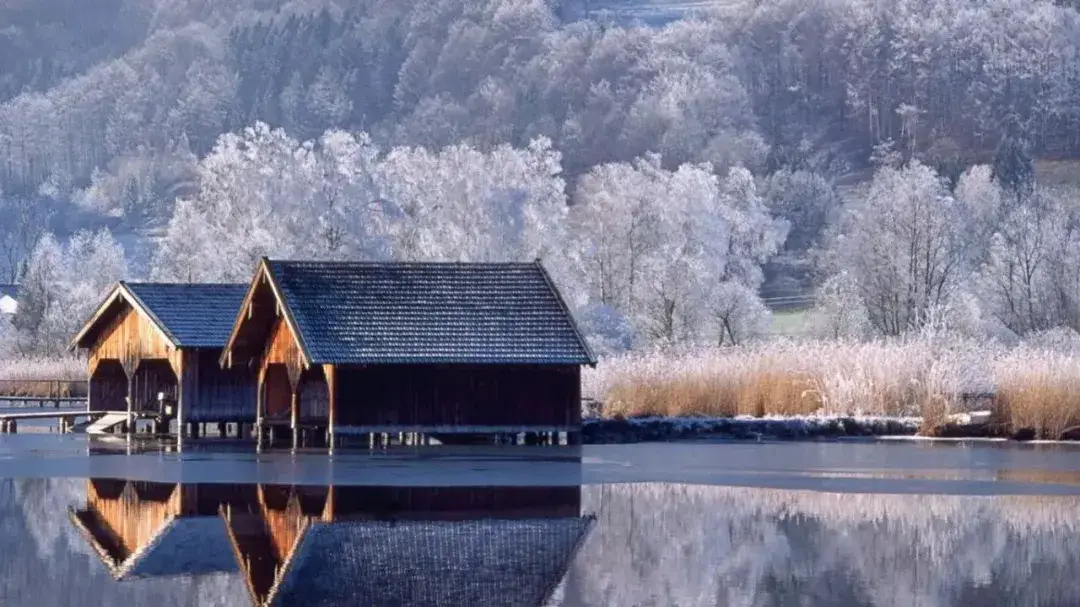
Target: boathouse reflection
x,y
342,545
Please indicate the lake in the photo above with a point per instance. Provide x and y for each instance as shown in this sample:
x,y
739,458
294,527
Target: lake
x,y
104,522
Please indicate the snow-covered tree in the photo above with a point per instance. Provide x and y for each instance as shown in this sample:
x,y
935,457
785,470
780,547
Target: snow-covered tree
x,y
737,314
839,312
657,244
903,245
262,192
461,204
62,285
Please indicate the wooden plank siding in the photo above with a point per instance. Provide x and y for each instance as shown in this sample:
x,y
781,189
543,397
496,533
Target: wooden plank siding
x,y
129,338
459,395
216,394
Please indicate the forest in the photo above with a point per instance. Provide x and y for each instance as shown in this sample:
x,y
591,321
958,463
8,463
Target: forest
x,y
883,156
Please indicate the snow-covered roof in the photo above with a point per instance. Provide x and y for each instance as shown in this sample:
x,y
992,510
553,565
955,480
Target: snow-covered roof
x,y
8,301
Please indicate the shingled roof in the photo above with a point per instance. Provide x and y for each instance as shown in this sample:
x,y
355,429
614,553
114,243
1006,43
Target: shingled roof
x,y
473,562
363,313
190,315
195,315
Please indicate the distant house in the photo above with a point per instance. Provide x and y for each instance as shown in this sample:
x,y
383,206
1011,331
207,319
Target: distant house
x,y
8,299
147,339
439,348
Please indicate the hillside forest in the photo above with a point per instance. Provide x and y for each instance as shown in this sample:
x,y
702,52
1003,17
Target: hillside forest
x,y
903,164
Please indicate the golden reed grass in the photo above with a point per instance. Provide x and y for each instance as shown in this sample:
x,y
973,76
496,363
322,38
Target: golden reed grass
x,y
23,376
924,376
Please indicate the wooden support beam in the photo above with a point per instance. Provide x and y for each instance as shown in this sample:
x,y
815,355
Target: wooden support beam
x,y
182,372
260,402
331,384
130,401
295,416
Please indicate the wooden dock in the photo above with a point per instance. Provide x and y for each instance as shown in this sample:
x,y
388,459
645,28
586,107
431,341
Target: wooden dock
x,y
9,423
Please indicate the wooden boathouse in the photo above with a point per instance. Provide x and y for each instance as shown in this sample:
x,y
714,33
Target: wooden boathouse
x,y
410,349
151,339
361,545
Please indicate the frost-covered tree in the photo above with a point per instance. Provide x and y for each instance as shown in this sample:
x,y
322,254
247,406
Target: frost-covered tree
x,y
22,222
62,285
262,192
737,314
1028,278
657,244
806,200
461,204
9,338
839,312
903,245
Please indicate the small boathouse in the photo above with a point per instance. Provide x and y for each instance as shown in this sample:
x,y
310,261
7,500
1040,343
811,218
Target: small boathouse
x,y
152,345
362,545
147,529
409,349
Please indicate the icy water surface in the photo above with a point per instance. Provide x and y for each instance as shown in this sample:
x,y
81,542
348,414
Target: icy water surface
x,y
703,523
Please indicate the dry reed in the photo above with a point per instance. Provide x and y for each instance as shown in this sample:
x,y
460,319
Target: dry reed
x,y
918,376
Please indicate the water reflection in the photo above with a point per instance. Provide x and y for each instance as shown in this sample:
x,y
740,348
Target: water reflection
x,y
106,541
347,545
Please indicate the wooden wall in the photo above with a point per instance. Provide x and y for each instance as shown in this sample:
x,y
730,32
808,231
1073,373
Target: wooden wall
x,y
461,395
129,338
216,394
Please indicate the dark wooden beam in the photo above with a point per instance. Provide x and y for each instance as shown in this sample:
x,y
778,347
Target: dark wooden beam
x,y
331,384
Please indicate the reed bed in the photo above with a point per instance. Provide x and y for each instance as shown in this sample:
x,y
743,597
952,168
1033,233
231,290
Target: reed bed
x,y
923,376
29,367
41,376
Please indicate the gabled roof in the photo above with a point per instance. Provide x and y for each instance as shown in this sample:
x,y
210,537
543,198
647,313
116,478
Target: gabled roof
x,y
371,313
189,315
474,562
192,545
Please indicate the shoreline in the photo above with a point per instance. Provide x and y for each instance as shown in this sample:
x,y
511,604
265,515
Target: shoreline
x,y
600,431
605,431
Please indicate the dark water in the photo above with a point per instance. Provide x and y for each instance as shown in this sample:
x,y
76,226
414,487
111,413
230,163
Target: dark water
x,y
769,524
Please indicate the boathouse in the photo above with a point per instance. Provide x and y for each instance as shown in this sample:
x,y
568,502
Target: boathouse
x,y
147,529
153,340
360,545
410,348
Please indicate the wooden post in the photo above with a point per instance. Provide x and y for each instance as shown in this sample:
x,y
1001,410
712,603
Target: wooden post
x,y
131,401
295,407
260,403
181,395
331,384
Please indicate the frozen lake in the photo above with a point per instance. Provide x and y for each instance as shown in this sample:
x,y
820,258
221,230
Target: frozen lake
x,y
701,523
